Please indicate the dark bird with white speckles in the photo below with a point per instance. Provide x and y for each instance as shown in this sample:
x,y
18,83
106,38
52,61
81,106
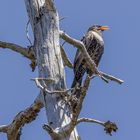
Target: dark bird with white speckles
x,y
94,44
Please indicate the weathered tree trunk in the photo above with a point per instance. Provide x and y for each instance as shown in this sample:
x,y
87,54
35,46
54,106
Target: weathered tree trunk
x,y
45,25
62,108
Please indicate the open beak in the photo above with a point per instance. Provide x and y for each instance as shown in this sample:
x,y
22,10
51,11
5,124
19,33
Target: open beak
x,y
103,28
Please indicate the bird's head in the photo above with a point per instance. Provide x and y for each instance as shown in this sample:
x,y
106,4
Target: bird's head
x,y
98,28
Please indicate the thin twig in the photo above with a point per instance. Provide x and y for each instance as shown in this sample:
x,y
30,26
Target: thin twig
x,y
27,33
63,92
62,18
109,126
80,45
90,121
26,52
48,80
65,58
106,77
48,128
112,78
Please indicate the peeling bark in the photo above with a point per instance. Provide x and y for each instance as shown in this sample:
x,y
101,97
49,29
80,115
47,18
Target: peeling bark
x,y
45,24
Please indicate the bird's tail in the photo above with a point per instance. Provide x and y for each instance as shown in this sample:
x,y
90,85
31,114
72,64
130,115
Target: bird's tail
x,y
77,81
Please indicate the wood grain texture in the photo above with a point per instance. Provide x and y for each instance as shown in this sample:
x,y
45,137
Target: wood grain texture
x,y
45,24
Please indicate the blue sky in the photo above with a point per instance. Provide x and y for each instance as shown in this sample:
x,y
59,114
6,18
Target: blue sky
x,y
119,103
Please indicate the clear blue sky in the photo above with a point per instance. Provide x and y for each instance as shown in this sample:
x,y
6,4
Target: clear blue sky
x,y
104,101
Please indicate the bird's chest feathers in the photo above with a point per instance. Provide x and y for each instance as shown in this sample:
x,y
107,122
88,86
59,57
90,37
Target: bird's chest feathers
x,y
98,37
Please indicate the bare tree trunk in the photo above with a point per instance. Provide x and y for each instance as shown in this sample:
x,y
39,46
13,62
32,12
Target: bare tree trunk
x,y
61,105
45,25
62,108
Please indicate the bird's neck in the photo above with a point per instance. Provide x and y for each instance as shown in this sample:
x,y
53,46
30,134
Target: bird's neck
x,y
98,35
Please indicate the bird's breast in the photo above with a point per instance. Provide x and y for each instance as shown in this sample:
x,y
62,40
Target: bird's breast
x,y
98,37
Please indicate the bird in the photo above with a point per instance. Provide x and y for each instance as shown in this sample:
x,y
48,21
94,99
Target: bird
x,y
94,43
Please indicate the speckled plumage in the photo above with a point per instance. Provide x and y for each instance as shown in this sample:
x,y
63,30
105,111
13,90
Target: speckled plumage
x,y
95,47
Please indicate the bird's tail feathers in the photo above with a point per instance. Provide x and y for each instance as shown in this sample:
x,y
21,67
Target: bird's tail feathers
x,y
76,83
78,76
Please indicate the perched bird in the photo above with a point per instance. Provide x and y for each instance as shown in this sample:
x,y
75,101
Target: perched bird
x,y
94,44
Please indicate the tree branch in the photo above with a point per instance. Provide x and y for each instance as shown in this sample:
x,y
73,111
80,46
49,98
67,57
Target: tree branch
x,y
27,33
79,45
64,93
65,58
28,115
3,128
112,78
16,48
109,127
26,52
90,121
80,94
29,53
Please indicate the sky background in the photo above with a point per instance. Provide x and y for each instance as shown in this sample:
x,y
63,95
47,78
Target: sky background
x,y
118,103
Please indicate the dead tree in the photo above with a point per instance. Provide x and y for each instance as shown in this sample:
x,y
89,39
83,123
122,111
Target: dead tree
x,y
47,54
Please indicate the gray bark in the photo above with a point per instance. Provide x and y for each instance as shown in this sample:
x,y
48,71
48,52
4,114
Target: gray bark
x,y
62,118
44,20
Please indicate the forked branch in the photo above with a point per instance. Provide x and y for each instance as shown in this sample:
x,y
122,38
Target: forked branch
x,y
79,45
112,78
109,126
13,130
26,52
38,81
16,48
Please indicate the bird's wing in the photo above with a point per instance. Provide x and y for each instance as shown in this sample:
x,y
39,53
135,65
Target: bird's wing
x,y
88,41
78,60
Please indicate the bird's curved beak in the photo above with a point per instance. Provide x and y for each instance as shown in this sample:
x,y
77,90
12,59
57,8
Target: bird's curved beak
x,y
103,28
